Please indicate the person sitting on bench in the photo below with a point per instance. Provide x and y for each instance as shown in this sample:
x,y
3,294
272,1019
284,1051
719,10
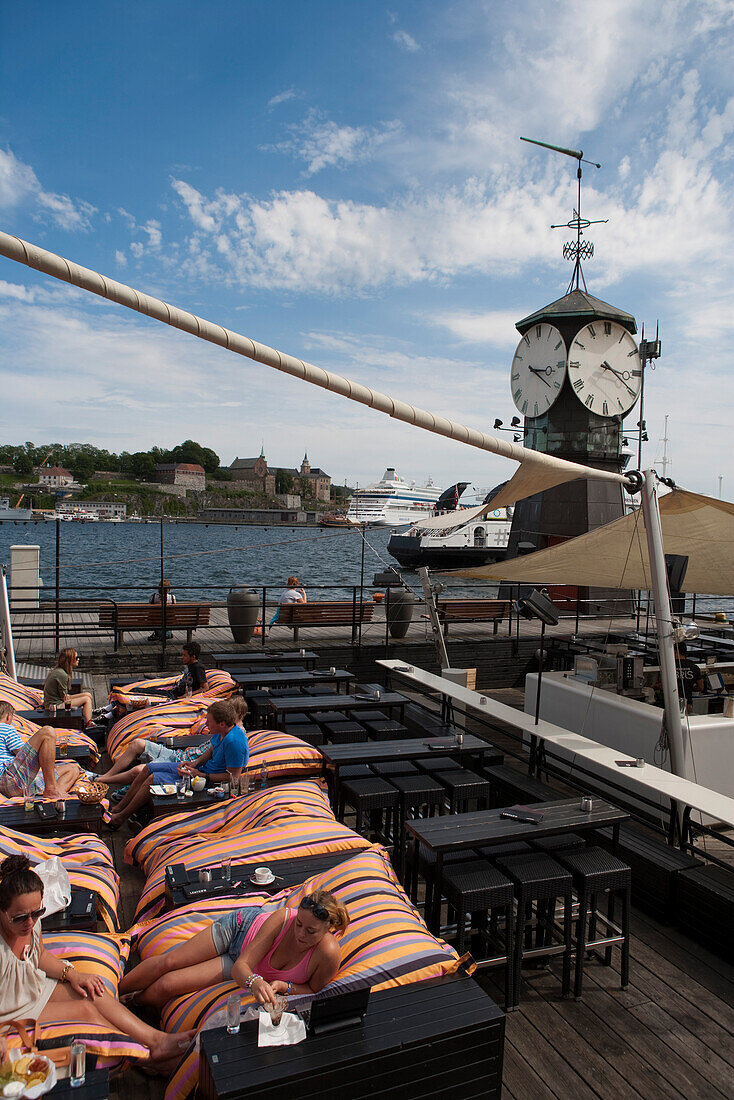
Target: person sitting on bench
x,y
156,597
128,767
40,986
31,765
286,951
58,683
222,761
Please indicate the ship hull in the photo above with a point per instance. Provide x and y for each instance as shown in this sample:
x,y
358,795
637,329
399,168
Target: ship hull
x,y
407,550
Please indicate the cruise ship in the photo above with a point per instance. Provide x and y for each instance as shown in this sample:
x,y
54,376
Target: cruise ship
x,y
393,502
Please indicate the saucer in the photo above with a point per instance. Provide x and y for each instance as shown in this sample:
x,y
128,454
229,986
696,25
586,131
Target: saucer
x,y
262,882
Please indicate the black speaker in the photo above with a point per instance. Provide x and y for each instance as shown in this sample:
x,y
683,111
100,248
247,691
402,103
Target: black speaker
x,y
536,605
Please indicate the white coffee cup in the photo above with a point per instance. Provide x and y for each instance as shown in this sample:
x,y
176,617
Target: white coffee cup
x,y
263,875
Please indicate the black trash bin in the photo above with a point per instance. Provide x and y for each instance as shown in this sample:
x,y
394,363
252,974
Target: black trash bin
x,y
243,605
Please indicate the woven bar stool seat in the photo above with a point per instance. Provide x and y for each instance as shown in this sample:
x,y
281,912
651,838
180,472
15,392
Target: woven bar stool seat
x,y
320,689
463,787
552,844
388,768
541,879
311,734
415,793
355,771
299,718
426,867
366,716
596,871
384,729
321,717
498,851
477,889
438,764
371,796
344,733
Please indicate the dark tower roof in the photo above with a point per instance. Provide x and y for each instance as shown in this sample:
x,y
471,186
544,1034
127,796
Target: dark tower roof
x,y
581,305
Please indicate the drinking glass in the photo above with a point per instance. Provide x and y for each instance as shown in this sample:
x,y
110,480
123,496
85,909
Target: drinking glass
x,y
181,788
233,1013
276,1010
78,1067
227,870
28,797
61,808
63,748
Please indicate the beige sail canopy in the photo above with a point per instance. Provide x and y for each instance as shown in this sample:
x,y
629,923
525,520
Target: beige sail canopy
x,y
615,555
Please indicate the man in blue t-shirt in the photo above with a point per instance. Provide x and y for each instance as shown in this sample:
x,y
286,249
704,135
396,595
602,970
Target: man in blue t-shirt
x,y
222,761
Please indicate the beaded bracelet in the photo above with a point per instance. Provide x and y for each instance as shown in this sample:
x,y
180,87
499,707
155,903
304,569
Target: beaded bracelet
x,y
252,978
67,967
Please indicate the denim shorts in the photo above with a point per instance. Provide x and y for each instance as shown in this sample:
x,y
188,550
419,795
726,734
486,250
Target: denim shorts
x,y
163,771
160,753
229,934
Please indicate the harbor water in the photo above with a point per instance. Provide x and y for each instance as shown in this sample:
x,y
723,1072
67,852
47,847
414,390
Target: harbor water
x,y
203,560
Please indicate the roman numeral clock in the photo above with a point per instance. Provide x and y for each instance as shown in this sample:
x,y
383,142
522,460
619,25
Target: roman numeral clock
x,y
575,375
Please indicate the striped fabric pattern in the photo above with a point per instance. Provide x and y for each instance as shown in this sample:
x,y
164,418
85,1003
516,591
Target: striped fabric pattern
x,y
386,944
25,698
151,723
86,858
22,698
230,818
91,953
219,685
283,755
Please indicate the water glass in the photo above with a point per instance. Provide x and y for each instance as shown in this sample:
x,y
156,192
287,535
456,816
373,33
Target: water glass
x,y
63,748
28,798
78,1067
227,869
233,1013
61,808
181,788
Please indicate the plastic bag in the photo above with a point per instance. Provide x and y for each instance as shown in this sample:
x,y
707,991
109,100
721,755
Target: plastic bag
x,y
56,885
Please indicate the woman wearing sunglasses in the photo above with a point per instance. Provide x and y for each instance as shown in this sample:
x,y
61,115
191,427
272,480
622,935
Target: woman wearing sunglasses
x,y
266,952
37,985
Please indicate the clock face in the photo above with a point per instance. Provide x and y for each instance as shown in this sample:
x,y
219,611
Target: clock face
x,y
538,370
604,368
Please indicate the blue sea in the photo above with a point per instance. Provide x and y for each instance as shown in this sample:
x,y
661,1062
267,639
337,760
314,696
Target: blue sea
x,y
203,561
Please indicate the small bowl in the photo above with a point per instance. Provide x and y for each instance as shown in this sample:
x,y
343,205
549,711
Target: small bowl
x,y
198,783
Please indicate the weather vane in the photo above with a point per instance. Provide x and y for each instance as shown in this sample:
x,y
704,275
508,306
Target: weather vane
x,y
579,249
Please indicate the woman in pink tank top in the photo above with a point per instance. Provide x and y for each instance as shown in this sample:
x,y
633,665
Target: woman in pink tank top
x,y
281,951
292,950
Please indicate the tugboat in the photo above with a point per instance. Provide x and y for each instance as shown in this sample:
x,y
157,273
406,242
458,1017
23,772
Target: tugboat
x,y
476,542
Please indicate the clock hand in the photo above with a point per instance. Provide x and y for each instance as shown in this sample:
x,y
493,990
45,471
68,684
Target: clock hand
x,y
605,366
541,372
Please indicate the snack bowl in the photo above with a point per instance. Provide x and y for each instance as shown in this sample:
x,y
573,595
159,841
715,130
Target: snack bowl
x,y
40,1087
198,782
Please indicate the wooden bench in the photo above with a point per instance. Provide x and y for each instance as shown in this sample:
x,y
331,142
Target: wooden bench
x,y
119,617
325,613
656,869
472,611
706,908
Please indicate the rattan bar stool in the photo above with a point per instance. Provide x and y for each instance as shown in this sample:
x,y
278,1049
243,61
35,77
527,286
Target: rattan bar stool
x,y
415,793
479,890
438,764
596,871
344,733
386,769
541,879
463,787
375,797
384,729
311,734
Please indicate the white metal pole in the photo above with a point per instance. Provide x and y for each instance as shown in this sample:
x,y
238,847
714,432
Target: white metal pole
x,y
6,627
664,621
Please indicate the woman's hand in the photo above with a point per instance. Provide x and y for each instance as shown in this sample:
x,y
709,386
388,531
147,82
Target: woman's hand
x,y
280,987
86,985
264,992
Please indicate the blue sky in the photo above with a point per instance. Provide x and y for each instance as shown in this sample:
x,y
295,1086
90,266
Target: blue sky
x,y
344,182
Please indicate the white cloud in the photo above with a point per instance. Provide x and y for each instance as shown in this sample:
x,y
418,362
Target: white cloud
x,y
495,327
14,290
322,144
405,41
19,186
120,258
282,97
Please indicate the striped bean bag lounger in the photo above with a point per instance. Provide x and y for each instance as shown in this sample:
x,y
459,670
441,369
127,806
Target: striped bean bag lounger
x,y
86,858
219,685
25,698
152,723
103,954
386,944
229,819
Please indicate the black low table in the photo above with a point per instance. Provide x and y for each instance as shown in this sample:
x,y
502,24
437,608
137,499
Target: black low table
x,y
442,1037
298,704
228,661
166,804
79,818
72,752
80,915
63,719
96,1086
288,872
252,681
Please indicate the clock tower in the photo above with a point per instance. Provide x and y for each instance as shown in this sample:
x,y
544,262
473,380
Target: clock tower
x,y
575,375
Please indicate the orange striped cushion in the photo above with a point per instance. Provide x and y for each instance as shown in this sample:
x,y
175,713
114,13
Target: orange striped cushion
x,y
22,698
91,953
219,685
25,698
86,858
386,943
152,723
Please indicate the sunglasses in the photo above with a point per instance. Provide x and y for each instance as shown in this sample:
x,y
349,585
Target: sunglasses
x,y
34,914
318,910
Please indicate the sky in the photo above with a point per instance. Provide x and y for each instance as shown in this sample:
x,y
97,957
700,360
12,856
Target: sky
x,y
345,182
